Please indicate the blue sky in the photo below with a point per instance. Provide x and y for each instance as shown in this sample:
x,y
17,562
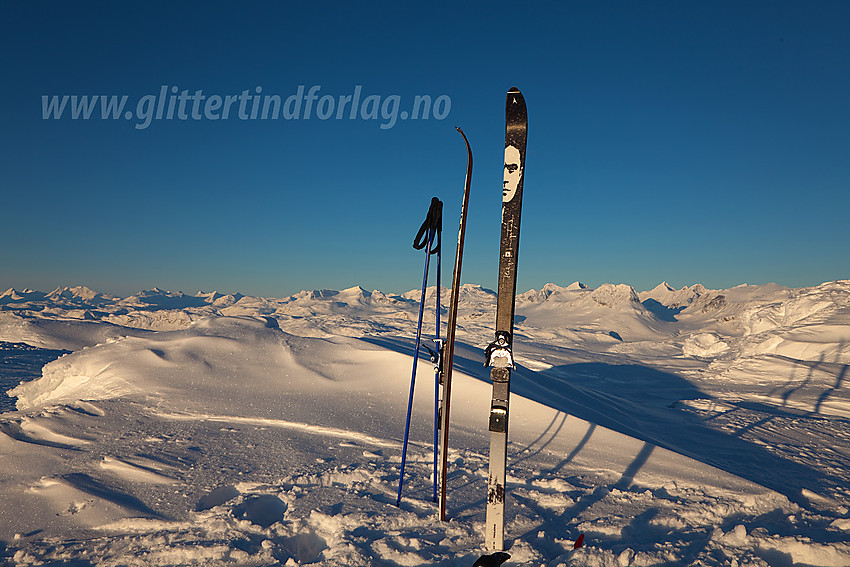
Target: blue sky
x,y
679,141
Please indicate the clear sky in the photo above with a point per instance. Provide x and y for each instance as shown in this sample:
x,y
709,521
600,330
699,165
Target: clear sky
x,y
689,142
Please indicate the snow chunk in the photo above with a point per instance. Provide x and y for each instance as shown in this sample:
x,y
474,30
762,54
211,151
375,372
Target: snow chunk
x,y
704,345
737,537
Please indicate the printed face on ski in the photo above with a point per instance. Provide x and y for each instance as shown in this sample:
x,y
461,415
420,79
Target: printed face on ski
x,y
513,173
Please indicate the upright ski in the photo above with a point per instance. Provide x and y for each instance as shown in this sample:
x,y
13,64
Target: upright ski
x,y
449,347
499,354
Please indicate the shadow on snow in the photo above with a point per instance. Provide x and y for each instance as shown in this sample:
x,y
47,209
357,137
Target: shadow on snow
x,y
637,401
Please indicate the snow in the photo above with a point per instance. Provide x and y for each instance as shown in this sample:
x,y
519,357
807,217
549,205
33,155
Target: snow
x,y
688,427
704,345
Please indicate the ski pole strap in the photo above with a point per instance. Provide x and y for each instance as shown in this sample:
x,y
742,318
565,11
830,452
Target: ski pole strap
x,y
433,222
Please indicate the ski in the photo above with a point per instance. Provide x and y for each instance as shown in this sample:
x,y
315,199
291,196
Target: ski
x,y
499,354
449,346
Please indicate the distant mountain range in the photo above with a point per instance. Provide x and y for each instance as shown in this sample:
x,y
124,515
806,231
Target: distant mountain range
x,y
748,320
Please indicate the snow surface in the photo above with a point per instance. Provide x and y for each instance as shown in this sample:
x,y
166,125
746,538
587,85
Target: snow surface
x,y
674,427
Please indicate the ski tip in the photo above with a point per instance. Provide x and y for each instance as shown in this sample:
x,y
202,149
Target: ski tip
x,y
466,141
514,90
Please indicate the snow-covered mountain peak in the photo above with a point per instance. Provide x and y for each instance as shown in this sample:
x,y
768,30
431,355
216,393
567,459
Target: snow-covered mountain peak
x,y
663,287
380,297
475,288
79,293
157,298
356,291
615,295
468,291
210,297
355,295
315,294
324,299
220,299
13,295
673,298
550,290
476,291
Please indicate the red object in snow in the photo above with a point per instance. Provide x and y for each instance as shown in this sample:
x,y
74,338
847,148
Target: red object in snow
x,y
579,542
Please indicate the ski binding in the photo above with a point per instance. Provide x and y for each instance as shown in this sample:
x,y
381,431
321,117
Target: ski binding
x,y
498,354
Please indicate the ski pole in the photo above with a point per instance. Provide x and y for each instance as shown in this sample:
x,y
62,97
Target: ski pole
x,y
428,227
413,375
436,358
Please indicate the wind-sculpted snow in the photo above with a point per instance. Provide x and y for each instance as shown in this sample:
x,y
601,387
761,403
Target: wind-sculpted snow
x,y
685,427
